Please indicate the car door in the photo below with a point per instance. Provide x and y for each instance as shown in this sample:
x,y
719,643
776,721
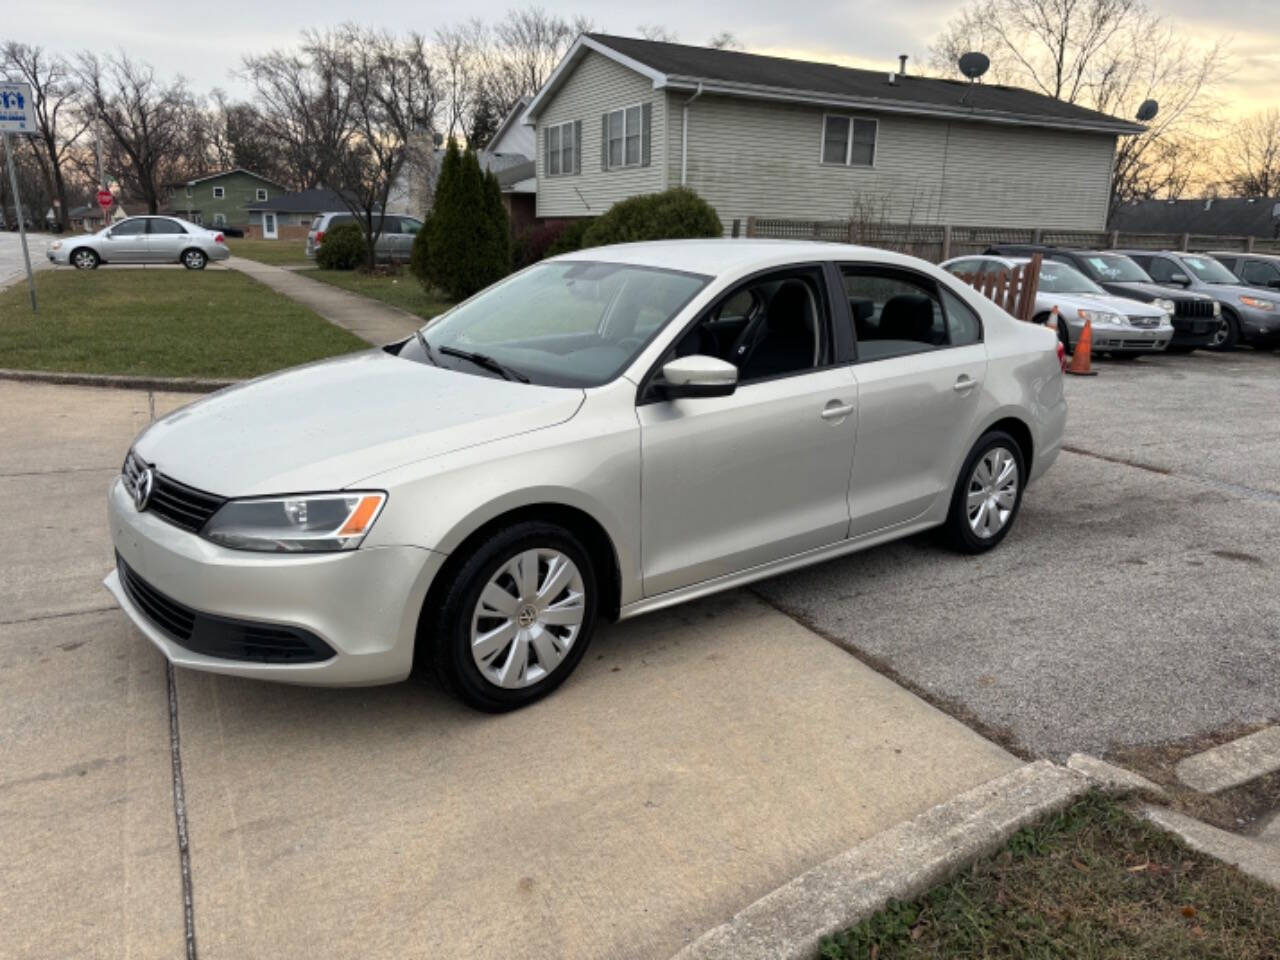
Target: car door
x,y
920,369
729,483
388,239
127,242
165,240
409,228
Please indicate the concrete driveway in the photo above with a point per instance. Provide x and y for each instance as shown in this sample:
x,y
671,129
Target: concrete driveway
x,y
698,759
1135,603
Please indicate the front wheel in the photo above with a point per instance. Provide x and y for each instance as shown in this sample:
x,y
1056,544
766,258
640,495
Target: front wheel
x,y
194,259
987,495
1227,336
516,617
84,259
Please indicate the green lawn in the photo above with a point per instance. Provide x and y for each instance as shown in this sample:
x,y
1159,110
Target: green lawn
x,y
1090,882
400,290
281,253
214,323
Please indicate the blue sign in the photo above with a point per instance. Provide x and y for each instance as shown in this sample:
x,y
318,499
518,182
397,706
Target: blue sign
x,y
17,112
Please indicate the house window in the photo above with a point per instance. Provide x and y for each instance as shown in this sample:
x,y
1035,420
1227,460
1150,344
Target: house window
x,y
219,192
561,142
849,141
262,194
219,219
624,137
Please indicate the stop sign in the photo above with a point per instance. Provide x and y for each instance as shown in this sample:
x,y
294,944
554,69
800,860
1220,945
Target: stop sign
x,y
105,199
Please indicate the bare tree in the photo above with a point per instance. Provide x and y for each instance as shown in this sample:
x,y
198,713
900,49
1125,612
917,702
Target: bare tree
x,y
724,40
459,52
59,122
1251,159
656,31
527,45
157,130
393,100
238,138
1108,55
305,109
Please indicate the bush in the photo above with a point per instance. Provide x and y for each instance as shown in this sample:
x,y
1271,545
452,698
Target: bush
x,y
343,248
546,239
670,215
468,239
570,238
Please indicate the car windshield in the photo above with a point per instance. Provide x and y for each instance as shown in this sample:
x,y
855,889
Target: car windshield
x,y
1209,270
571,323
1116,268
1060,278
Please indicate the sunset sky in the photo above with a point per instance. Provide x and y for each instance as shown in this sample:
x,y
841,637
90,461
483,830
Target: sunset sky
x,y
205,46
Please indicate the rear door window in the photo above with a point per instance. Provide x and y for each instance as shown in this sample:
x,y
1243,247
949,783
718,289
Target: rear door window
x,y
895,312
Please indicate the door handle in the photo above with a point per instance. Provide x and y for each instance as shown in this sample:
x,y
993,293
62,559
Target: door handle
x,y
964,382
836,410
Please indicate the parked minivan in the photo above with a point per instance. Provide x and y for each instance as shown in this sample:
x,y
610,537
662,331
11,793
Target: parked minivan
x,y
395,242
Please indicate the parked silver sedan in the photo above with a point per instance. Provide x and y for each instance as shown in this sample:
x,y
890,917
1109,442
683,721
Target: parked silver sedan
x,y
142,240
598,436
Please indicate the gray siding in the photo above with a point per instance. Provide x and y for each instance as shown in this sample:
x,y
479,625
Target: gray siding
x,y
754,158
596,86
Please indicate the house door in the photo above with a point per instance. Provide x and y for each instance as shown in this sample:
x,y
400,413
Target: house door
x,y
269,226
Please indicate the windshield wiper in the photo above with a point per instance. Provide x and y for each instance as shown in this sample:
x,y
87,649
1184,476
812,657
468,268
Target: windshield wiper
x,y
487,362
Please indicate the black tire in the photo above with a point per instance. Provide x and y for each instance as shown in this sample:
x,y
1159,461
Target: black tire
x,y
82,258
956,531
449,638
194,259
1229,331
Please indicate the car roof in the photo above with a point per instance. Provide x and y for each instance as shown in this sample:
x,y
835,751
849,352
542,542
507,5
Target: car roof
x,y
714,257
1242,253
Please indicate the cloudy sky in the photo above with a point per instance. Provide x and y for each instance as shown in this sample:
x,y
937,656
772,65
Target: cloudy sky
x,y
205,42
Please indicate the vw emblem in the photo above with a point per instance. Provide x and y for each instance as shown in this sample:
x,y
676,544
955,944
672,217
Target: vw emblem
x,y
142,484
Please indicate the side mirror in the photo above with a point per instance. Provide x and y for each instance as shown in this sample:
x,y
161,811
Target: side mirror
x,y
698,376
1181,279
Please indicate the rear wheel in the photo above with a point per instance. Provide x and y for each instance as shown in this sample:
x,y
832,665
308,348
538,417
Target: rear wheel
x,y
516,617
84,259
194,259
1227,336
987,495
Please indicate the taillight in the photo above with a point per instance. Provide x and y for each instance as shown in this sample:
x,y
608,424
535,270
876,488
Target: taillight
x,y
319,235
1062,357
217,238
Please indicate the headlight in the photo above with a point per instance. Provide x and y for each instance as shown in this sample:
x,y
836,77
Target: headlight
x,y
302,524
1258,303
1217,309
1168,306
56,245
1099,316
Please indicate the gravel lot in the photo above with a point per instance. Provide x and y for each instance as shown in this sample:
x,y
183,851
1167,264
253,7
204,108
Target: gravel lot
x,y
1135,603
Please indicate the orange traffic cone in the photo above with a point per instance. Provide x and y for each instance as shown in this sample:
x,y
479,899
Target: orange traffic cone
x,y
1079,364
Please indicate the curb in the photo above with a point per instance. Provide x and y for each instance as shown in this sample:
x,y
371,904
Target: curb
x,y
119,381
1248,855
899,864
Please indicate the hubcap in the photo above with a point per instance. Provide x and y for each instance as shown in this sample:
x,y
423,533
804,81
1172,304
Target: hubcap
x,y
1220,335
83,259
527,618
193,259
993,491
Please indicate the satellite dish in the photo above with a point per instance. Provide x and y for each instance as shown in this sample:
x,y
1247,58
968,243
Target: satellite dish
x,y
974,64
1148,110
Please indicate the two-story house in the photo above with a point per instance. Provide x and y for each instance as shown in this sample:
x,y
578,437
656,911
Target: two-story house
x,y
222,199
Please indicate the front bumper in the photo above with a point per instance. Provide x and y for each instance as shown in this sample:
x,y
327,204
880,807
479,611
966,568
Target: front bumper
x,y
1194,331
1109,338
364,604
1260,327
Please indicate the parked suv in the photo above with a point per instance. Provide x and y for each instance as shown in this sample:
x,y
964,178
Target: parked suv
x,y
1122,327
1247,317
1195,316
1254,269
395,242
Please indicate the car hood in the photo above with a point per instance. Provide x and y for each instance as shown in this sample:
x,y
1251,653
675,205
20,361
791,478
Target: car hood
x,y
327,425
1232,292
1150,290
1068,303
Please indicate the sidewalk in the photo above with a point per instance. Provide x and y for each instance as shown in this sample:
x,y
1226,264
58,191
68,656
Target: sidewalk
x,y
368,319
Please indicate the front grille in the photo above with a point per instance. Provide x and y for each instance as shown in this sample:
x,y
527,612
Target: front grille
x,y
1143,322
220,637
1193,308
175,502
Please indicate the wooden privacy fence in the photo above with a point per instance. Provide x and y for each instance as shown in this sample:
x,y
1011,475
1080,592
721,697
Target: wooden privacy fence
x,y
1015,289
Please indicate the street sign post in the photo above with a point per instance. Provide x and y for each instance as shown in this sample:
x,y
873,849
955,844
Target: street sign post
x,y
17,115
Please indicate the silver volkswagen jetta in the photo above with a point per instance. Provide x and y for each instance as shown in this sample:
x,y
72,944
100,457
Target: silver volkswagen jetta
x,y
597,436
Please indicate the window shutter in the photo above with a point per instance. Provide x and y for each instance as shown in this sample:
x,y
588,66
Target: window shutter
x,y
604,141
546,150
577,146
646,122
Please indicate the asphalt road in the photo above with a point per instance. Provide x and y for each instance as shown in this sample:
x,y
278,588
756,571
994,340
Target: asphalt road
x,y
1135,603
